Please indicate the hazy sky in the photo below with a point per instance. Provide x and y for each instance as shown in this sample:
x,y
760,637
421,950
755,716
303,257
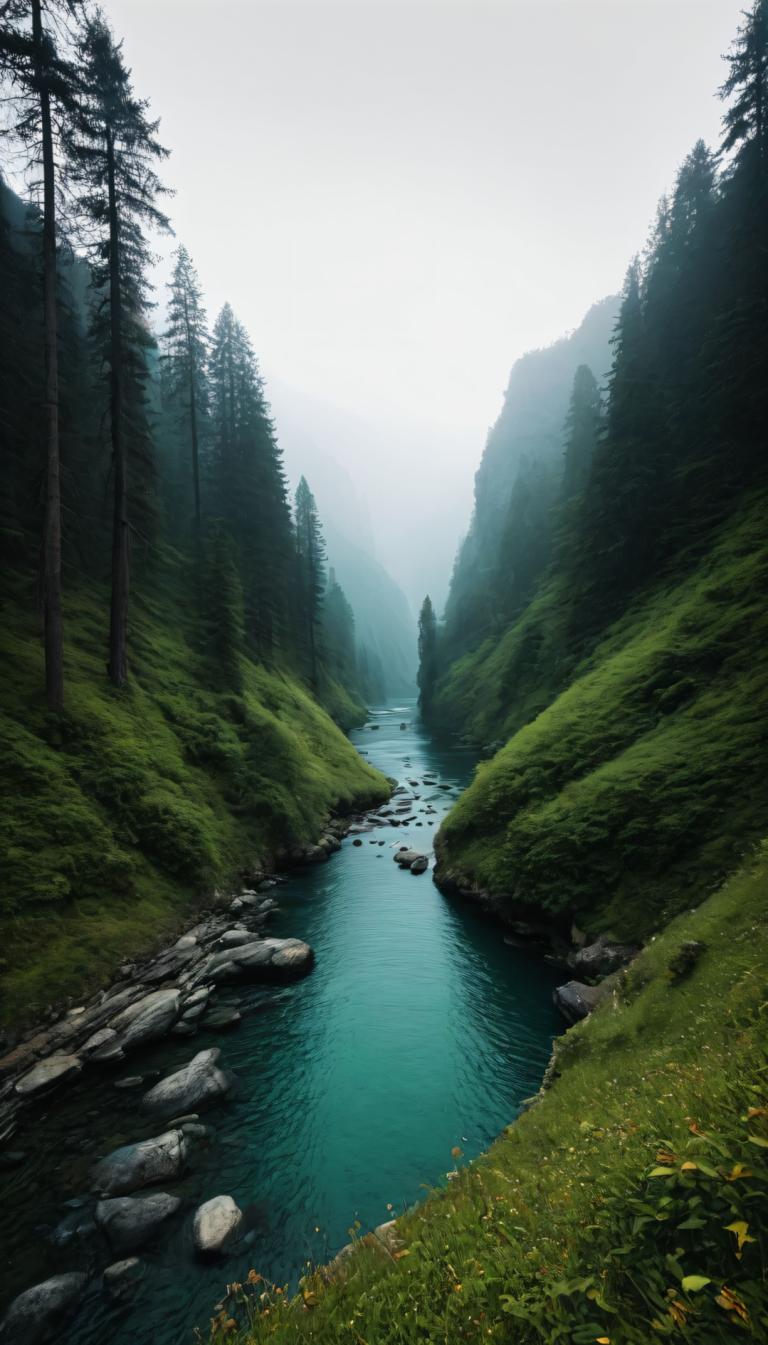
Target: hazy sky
x,y
399,199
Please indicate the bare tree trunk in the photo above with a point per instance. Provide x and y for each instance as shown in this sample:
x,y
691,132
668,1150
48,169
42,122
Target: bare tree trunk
x,y
54,628
118,622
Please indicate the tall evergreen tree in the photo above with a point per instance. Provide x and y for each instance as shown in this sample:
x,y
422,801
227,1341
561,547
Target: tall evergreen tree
x,y
41,83
737,395
186,351
338,627
249,483
427,674
310,554
114,150
582,431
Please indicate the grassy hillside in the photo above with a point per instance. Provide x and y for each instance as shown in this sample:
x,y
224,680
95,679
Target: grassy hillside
x,y
645,779
115,820
630,1204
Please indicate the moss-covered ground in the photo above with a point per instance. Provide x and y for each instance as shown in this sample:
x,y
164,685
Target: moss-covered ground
x,y
629,1205
644,781
118,818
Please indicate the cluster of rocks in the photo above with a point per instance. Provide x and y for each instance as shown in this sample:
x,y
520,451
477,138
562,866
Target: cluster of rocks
x,y
120,1218
413,860
169,995
598,962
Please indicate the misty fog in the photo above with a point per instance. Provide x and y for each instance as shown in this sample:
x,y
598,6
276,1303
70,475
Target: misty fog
x,y
399,205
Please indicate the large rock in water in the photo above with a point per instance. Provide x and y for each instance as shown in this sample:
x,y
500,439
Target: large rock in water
x,y
148,1019
575,1001
56,1069
130,1222
132,1166
405,857
197,1084
261,960
36,1314
216,1224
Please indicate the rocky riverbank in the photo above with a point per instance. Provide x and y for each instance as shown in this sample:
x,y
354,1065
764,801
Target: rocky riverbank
x,y
169,993
172,994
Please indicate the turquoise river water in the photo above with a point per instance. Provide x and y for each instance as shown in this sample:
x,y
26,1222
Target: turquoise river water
x,y
418,1029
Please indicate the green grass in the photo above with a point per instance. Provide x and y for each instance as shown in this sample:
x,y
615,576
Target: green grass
x,y
645,778
566,1230
122,816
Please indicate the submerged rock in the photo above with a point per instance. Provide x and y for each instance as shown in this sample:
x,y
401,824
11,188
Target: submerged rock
x,y
195,1085
132,1166
216,1224
220,1020
130,1222
122,1278
36,1314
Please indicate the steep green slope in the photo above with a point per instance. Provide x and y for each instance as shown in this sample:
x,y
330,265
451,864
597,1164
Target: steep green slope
x,y
645,777
140,801
643,1165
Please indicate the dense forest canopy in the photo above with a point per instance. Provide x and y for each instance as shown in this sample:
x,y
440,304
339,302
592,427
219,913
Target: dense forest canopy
x,y
624,444
128,442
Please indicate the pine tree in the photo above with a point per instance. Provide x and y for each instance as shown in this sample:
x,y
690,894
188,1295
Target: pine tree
x,y
737,393
42,83
114,149
338,631
310,553
249,484
427,675
583,426
186,353
745,122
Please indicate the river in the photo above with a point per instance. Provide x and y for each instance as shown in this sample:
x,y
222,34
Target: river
x,y
419,1029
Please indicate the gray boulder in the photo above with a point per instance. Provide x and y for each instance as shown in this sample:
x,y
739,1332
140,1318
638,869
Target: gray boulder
x,y
130,1222
36,1314
406,857
197,1084
56,1069
575,1000
132,1166
261,960
216,1224
420,864
150,1018
601,958
103,1046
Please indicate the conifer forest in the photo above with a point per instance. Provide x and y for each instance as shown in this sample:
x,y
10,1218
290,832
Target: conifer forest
x,y
384,841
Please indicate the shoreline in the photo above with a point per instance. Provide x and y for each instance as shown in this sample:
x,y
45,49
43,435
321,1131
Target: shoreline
x,y
63,1035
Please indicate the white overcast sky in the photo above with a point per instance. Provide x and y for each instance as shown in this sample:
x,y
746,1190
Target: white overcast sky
x,y
399,199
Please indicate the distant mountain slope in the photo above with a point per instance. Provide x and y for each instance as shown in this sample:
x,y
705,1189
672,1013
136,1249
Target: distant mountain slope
x,y
529,429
